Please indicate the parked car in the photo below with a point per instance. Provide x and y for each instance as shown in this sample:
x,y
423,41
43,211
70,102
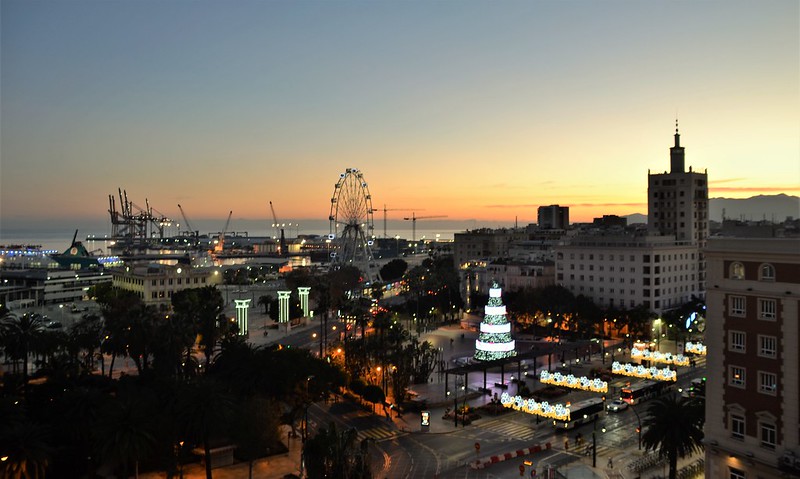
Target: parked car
x,y
617,405
53,325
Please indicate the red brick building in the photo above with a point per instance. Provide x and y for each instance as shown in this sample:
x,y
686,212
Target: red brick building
x,y
752,397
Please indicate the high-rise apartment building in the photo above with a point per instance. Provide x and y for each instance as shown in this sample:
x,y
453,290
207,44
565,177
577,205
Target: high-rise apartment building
x,y
553,217
752,427
677,202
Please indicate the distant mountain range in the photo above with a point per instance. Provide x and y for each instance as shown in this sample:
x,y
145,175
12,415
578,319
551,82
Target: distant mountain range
x,y
762,207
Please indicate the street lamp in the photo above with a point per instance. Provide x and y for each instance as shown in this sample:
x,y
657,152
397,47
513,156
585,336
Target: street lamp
x,y
308,403
594,441
639,424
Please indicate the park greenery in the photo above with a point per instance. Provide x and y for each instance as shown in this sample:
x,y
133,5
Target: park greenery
x,y
199,385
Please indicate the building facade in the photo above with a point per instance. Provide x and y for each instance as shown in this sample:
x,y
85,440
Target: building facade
x,y
553,217
156,283
752,427
484,244
39,287
677,202
625,271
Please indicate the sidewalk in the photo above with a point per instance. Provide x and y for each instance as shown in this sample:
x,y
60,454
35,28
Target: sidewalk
x,y
272,467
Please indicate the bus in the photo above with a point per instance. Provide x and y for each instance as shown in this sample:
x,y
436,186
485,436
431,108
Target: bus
x,y
582,412
642,391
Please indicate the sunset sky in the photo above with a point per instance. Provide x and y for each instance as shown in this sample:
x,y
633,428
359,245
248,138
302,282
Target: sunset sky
x,y
472,109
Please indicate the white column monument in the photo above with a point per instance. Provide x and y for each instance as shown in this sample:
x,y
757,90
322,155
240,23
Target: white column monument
x,y
303,292
242,305
283,308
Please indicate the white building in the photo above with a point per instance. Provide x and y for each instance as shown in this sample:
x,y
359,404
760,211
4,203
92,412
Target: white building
x,y
156,283
627,271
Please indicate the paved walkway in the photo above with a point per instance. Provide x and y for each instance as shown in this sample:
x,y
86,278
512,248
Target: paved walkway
x,y
453,343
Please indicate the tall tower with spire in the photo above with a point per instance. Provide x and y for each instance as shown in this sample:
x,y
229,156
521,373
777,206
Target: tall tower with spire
x,y
677,204
676,154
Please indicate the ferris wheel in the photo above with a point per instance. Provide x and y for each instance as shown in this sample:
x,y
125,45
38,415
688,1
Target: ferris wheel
x,y
351,222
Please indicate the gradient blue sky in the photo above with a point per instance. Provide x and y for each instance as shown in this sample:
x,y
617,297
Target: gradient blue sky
x,y
471,109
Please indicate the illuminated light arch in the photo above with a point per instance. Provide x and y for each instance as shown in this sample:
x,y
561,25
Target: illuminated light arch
x,y
639,371
659,357
696,348
569,381
559,412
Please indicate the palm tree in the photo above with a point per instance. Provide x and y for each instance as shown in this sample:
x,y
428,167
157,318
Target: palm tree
x,y
126,430
333,453
674,427
264,301
204,413
25,449
19,335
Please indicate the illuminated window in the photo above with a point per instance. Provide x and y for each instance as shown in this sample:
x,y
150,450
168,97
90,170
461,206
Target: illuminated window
x,y
767,383
737,305
767,346
736,341
766,272
736,376
737,426
737,271
766,309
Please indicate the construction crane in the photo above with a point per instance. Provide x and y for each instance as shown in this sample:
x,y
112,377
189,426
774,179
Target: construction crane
x,y
188,223
414,219
220,244
385,209
278,231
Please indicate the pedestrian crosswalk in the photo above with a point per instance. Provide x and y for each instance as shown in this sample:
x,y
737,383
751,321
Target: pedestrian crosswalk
x,y
377,433
509,430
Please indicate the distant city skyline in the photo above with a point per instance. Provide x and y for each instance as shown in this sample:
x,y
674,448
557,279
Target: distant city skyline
x,y
476,110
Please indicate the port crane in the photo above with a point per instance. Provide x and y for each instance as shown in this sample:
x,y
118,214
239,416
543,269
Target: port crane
x,y
133,226
220,243
414,219
278,231
385,209
195,232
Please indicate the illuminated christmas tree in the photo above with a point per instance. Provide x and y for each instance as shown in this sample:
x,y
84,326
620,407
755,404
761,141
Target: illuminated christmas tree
x,y
494,341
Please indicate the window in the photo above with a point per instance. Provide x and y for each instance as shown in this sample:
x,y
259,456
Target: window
x,y
737,306
768,435
766,272
736,377
737,270
736,341
767,383
737,426
766,309
767,346
736,473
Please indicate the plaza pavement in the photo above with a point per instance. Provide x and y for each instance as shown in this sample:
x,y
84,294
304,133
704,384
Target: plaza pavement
x,y
279,466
